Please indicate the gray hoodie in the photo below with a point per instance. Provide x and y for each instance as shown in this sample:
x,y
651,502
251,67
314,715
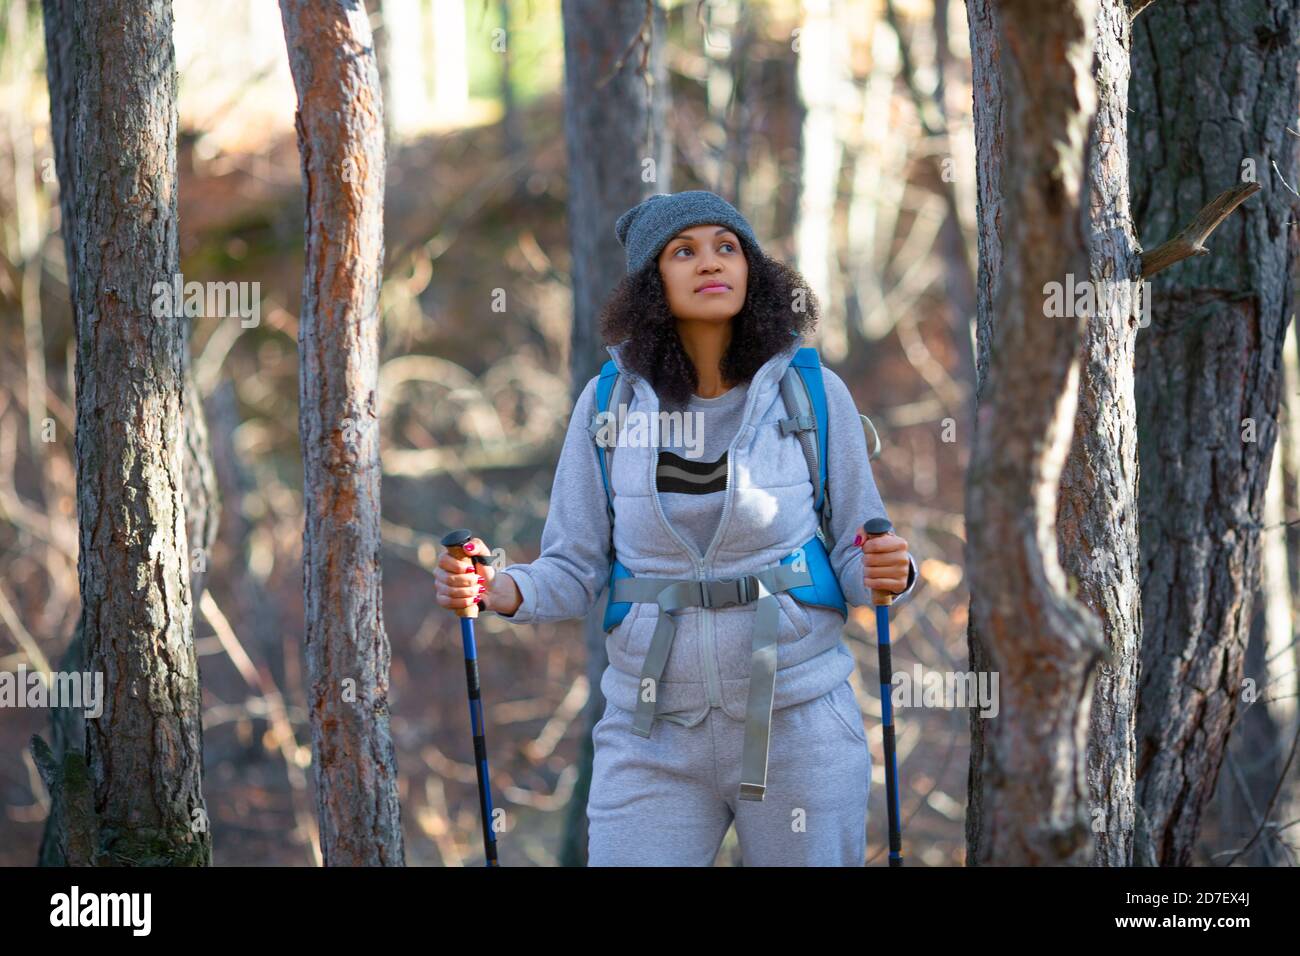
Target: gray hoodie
x,y
767,514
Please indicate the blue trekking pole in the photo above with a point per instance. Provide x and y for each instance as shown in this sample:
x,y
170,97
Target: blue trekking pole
x,y
454,542
882,599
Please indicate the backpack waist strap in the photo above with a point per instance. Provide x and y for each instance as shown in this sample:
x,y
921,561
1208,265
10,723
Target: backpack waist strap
x,y
672,594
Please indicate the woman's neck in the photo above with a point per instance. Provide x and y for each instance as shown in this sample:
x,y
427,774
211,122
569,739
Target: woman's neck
x,y
705,343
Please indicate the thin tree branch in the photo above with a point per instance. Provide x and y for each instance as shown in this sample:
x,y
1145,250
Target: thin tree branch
x,y
25,641
1190,240
928,109
643,36
278,717
1272,800
1137,6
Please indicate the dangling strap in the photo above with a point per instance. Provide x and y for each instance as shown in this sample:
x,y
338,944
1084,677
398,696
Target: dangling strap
x,y
758,707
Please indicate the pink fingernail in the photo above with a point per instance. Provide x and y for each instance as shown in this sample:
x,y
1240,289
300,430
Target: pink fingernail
x,y
858,539
469,545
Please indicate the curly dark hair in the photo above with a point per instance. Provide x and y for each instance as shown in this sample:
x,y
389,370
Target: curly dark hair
x,y
637,314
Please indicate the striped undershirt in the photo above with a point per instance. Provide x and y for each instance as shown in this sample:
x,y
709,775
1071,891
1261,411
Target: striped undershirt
x,y
691,476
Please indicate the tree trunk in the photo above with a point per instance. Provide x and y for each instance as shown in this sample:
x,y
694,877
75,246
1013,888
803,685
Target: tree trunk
x,y
984,18
382,34
1254,758
202,506
1256,755
615,95
822,71
341,145
511,118
1040,640
1288,661
1289,444
962,292
618,148
137,799
1097,510
1208,376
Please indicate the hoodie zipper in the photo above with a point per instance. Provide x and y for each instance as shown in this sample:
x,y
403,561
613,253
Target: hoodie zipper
x,y
713,679
712,684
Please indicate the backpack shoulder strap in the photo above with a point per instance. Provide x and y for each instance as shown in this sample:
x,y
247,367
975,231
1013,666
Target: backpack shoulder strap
x,y
603,426
804,394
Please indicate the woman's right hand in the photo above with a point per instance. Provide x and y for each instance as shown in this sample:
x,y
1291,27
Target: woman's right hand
x,y
458,583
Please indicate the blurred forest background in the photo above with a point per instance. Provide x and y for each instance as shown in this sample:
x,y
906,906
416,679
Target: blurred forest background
x,y
842,130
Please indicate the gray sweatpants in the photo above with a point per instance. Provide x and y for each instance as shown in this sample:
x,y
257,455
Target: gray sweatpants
x,y
668,799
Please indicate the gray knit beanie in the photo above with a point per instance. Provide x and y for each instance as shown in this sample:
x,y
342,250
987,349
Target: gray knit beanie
x,y
647,227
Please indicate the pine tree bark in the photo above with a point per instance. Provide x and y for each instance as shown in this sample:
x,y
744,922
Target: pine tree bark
x,y
128,783
1041,641
619,152
1097,517
341,146
1208,377
984,19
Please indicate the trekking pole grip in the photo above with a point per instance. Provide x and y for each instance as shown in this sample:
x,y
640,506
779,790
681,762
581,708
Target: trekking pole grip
x,y
874,529
454,542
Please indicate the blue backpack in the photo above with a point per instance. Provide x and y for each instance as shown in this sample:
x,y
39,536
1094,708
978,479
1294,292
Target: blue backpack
x,y
804,394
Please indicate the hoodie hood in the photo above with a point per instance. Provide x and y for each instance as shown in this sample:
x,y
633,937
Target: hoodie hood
x,y
771,370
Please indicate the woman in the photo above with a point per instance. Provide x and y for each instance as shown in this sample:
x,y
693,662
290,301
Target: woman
x,y
735,703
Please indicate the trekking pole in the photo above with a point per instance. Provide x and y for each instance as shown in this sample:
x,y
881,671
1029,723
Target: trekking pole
x,y
882,599
454,542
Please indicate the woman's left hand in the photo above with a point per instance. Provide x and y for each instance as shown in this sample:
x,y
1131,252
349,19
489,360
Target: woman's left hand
x,y
885,562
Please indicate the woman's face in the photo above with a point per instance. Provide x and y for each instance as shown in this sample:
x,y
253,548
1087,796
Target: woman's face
x,y
704,274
